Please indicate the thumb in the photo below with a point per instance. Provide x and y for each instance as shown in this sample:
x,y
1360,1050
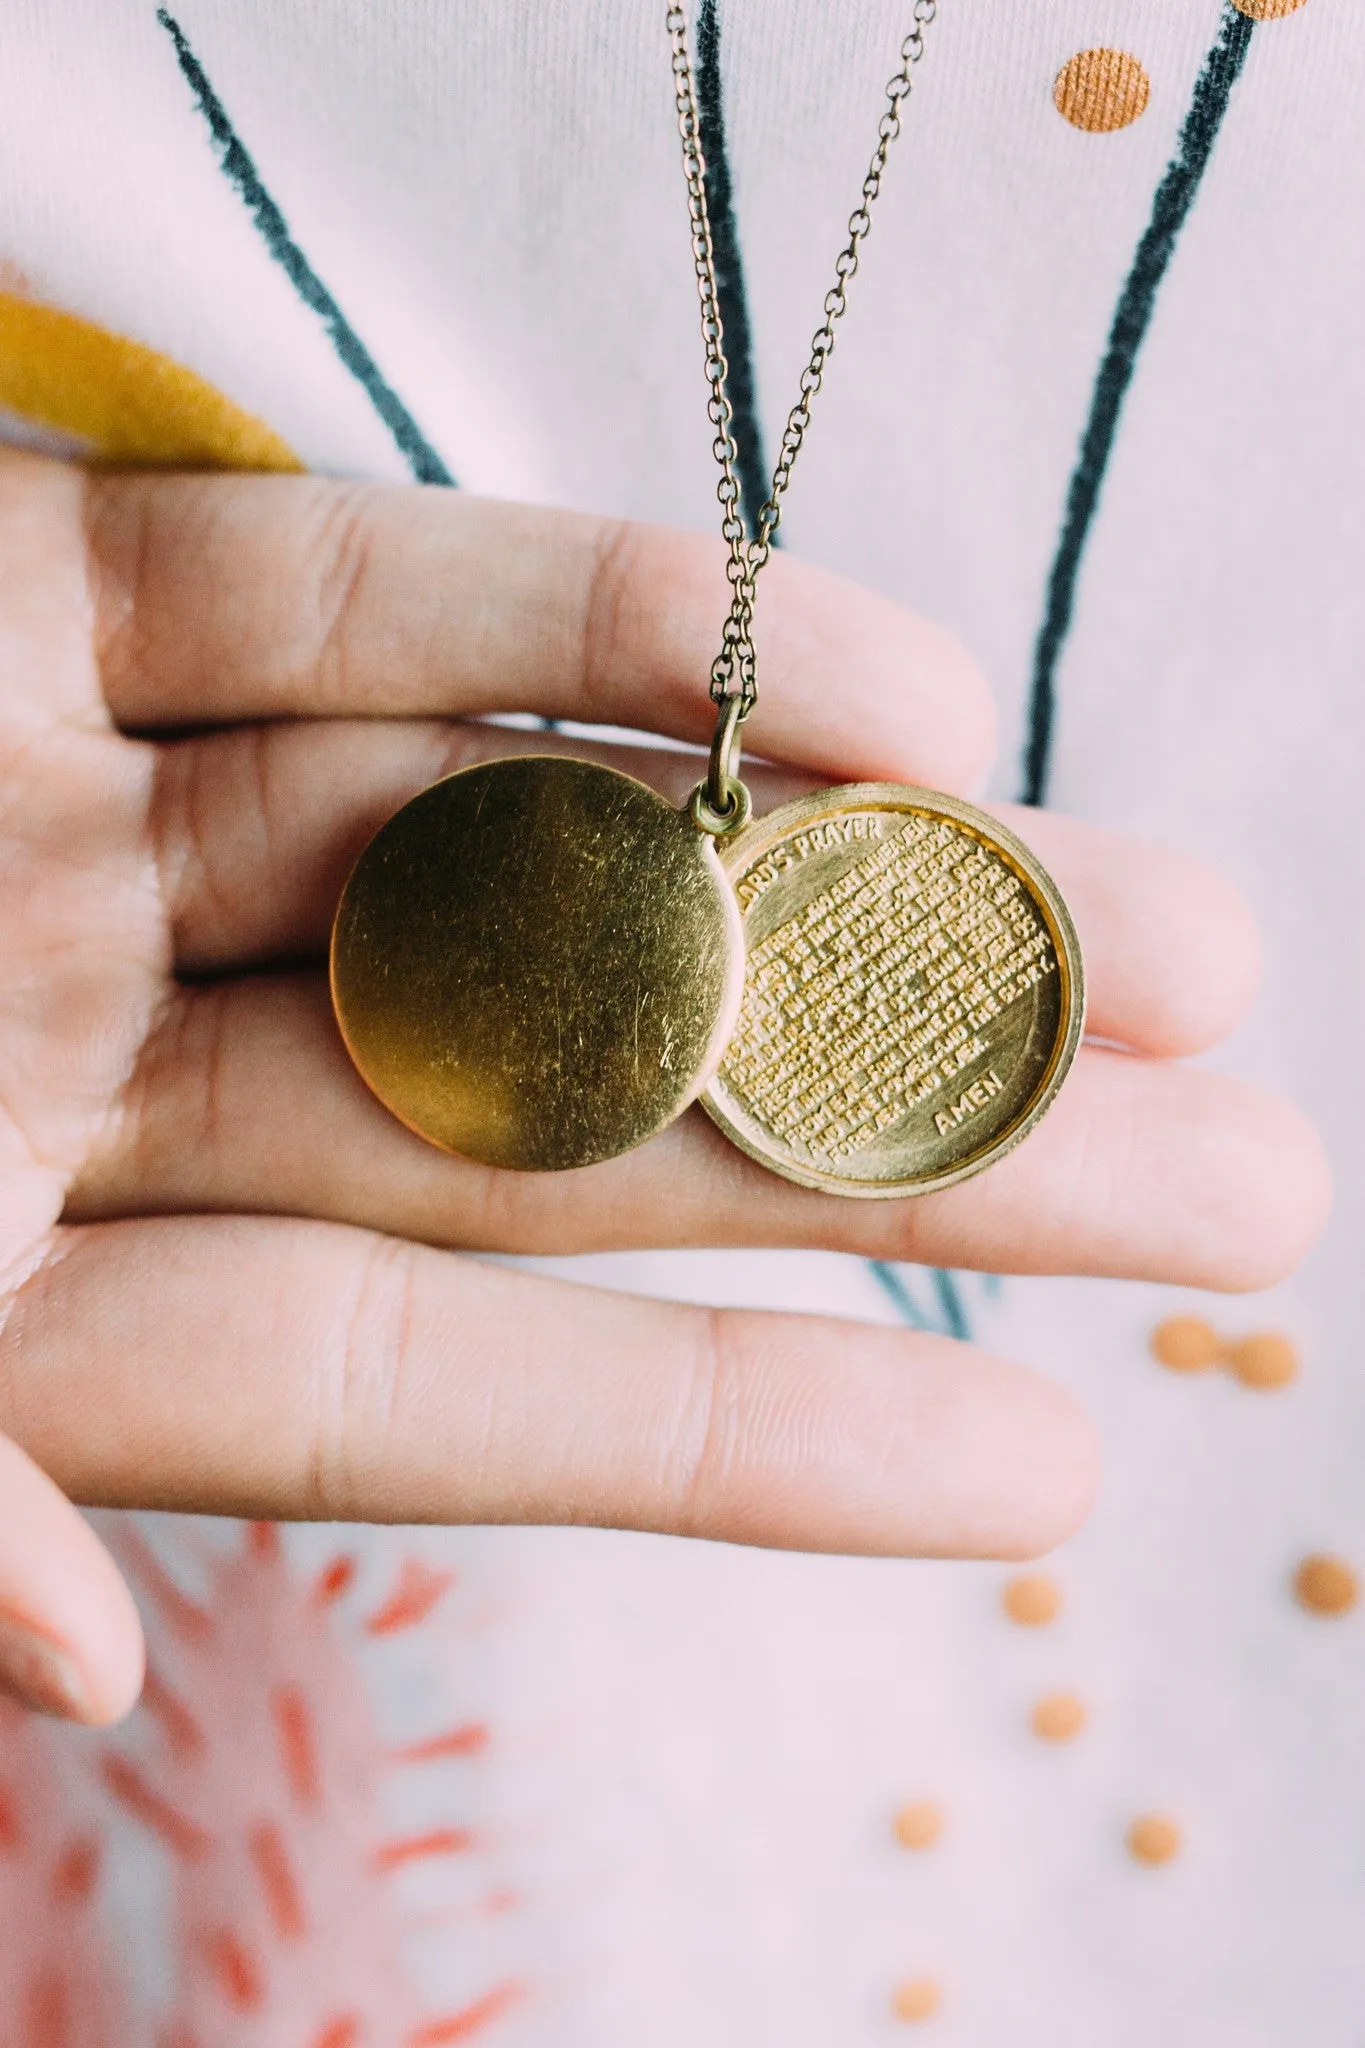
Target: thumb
x,y
70,1638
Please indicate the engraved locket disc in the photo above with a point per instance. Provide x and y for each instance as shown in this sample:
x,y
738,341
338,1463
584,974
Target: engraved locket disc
x,y
537,963
914,997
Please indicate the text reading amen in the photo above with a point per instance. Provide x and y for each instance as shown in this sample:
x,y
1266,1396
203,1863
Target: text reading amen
x,y
968,1102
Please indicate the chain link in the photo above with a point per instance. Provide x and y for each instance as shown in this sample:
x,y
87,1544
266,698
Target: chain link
x,y
735,670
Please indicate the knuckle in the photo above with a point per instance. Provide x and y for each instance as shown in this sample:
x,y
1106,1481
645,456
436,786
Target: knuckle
x,y
610,586
708,1432
340,547
358,1396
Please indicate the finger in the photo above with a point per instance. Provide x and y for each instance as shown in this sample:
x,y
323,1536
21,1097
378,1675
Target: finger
x,y
245,1100
1172,950
257,829
221,599
270,1369
70,1639
46,661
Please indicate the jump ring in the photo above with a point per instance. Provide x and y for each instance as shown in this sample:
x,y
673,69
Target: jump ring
x,y
720,805
719,824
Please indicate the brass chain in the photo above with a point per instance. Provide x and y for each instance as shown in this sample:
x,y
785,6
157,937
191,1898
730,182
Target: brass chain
x,y
736,663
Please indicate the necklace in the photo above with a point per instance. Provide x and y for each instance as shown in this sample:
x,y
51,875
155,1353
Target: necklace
x,y
538,963
914,993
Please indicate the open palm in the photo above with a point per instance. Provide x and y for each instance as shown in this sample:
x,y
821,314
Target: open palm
x,y
227,1277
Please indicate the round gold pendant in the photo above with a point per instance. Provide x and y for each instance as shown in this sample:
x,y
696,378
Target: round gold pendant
x,y
914,997
537,963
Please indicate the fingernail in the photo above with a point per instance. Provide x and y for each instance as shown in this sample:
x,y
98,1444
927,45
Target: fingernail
x,y
38,1671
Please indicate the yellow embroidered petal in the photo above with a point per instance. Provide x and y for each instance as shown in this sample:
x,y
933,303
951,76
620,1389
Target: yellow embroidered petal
x,y
126,403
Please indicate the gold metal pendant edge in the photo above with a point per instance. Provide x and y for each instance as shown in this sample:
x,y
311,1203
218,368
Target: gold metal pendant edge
x,y
482,955
764,833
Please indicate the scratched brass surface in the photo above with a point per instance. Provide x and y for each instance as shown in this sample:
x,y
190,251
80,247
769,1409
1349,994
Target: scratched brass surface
x,y
537,963
914,993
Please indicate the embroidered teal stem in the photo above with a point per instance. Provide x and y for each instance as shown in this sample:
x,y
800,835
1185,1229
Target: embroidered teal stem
x,y
1175,195
751,462
241,172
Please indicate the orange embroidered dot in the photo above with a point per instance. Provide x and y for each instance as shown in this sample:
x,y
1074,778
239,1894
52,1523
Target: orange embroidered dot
x,y
1032,1601
1059,1717
1267,10
918,1825
1326,1585
919,1998
1266,1361
1186,1344
1153,1838
1101,90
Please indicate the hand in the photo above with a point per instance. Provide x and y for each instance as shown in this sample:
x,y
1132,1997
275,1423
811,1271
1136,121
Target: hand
x,y
227,1278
